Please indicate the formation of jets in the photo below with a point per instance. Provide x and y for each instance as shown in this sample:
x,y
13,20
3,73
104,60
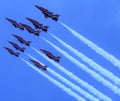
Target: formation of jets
x,y
30,30
38,28
38,25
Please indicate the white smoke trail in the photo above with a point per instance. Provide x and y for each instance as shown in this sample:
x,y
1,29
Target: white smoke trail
x,y
75,87
96,76
67,90
93,46
77,79
96,66
67,82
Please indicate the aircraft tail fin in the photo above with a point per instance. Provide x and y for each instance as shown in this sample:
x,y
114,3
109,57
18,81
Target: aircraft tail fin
x,y
17,54
44,67
55,17
27,43
45,28
57,59
22,49
37,32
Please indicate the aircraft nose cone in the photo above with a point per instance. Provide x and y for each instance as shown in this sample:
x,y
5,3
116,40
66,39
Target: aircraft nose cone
x,y
5,47
9,41
7,18
41,49
14,35
27,18
30,59
36,6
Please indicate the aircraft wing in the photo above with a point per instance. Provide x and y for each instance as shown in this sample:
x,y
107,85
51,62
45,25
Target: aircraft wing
x,y
45,16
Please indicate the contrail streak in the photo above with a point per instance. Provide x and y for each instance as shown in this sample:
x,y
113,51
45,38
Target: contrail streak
x,y
75,87
93,46
96,66
67,90
77,79
96,76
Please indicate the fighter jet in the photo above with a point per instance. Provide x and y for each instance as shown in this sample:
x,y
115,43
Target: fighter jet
x,y
51,56
15,24
48,13
30,30
16,46
21,40
12,52
38,25
38,64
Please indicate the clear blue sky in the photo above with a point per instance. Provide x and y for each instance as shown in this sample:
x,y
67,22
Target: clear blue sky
x,y
97,20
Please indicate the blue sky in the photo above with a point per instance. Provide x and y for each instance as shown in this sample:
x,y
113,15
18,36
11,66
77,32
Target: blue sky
x,y
97,20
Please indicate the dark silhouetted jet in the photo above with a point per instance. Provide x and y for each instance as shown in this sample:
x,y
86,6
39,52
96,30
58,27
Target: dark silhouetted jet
x,y
21,40
16,46
38,64
38,25
30,30
51,56
12,52
48,13
15,24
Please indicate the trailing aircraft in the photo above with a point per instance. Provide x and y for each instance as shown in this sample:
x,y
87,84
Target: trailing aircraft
x,y
30,30
15,24
38,25
51,56
12,52
16,46
36,63
21,40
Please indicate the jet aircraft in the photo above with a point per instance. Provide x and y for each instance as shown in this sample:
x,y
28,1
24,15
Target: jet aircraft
x,y
16,46
48,13
12,52
21,40
15,24
30,30
38,64
51,56
38,25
